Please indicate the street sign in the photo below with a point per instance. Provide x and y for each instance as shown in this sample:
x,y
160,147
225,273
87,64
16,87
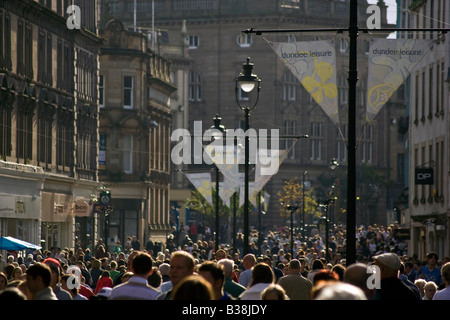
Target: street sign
x,y
424,176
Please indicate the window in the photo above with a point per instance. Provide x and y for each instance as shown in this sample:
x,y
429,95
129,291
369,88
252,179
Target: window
x,y
24,130
127,154
101,96
430,91
316,138
438,88
45,138
289,129
290,84
20,52
45,57
195,86
423,95
5,132
343,90
65,65
5,40
363,92
84,151
341,145
367,144
244,40
193,42
64,138
128,92
28,47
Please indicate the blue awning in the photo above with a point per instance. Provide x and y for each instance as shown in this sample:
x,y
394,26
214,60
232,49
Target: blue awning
x,y
13,244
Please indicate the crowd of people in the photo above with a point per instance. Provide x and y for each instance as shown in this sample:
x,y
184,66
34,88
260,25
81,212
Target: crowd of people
x,y
197,270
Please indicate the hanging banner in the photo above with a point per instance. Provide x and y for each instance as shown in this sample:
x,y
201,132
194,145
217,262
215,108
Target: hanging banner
x,y
390,62
228,168
252,195
230,171
202,182
225,193
261,179
313,63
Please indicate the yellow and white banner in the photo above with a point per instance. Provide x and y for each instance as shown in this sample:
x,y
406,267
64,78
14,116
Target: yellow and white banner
x,y
230,171
390,62
251,194
262,179
202,182
313,63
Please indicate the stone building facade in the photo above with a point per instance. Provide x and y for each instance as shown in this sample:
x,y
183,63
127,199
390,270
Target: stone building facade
x,y
135,125
49,123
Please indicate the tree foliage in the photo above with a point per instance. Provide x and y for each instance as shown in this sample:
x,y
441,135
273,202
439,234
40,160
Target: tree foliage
x,y
292,194
199,204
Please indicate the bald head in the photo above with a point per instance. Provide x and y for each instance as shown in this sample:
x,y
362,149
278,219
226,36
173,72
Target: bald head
x,y
357,274
249,261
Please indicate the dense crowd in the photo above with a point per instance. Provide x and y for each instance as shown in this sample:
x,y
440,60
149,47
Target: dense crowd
x,y
188,266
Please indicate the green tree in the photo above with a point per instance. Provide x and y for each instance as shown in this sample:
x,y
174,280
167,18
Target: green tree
x,y
292,193
199,204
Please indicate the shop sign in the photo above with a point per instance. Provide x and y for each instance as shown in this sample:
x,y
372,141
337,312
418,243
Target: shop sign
x,y
424,176
7,205
80,208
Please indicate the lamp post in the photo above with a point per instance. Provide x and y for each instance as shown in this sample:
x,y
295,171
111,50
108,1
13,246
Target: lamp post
x,y
325,222
218,126
334,164
292,208
331,198
303,206
246,82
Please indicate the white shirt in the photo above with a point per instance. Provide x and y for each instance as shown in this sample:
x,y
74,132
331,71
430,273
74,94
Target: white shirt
x,y
246,277
254,292
166,286
136,288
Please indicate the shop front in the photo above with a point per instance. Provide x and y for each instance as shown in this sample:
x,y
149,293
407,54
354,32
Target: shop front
x,y
20,205
84,224
57,226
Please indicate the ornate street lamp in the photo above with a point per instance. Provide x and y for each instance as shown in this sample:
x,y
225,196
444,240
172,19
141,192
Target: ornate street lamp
x,y
246,82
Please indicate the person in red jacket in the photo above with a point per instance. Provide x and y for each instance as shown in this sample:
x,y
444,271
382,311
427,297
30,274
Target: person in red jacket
x,y
104,281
